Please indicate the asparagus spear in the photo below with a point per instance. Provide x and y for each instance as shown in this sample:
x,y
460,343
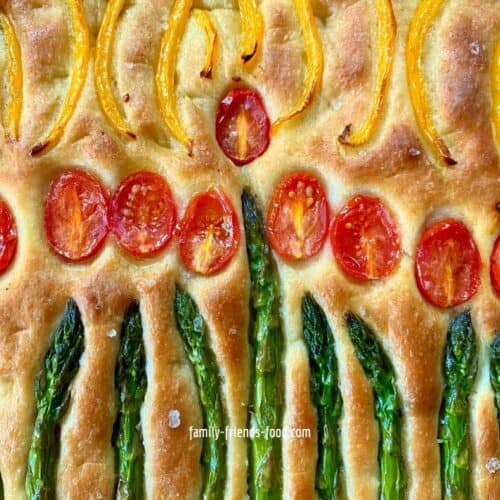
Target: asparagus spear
x,y
266,335
193,330
459,370
131,383
52,393
495,371
380,372
325,394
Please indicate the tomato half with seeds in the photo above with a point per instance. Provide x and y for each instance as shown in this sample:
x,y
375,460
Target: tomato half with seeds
x,y
297,218
495,266
209,233
447,264
8,236
242,126
365,239
143,214
76,215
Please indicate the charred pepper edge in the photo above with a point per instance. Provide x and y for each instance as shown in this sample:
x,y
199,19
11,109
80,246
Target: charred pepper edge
x,y
252,27
387,29
314,65
166,68
15,77
495,90
105,40
212,40
80,58
425,13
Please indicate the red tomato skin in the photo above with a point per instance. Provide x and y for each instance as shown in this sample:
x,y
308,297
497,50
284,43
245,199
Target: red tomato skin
x,y
344,241
495,266
158,233
278,220
82,183
8,237
217,205
235,100
435,238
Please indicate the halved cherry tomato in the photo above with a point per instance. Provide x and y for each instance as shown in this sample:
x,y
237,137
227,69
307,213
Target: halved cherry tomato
x,y
76,215
365,239
447,264
242,126
209,233
143,214
8,236
297,219
495,266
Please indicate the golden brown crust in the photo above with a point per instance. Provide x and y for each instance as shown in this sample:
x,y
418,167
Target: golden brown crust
x,y
396,165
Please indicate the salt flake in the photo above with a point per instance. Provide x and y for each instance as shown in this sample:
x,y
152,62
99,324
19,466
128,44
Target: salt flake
x,y
475,48
174,419
493,465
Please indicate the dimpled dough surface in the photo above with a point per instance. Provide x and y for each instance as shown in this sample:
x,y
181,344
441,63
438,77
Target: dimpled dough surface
x,y
395,165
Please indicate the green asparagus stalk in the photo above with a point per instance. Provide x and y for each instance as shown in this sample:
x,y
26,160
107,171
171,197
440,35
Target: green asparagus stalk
x,y
267,339
131,383
459,371
52,393
325,395
380,372
495,371
193,330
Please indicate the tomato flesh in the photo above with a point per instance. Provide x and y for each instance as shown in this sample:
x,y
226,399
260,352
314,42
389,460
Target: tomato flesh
x,y
242,126
8,236
297,218
365,239
143,214
209,233
76,215
447,264
495,266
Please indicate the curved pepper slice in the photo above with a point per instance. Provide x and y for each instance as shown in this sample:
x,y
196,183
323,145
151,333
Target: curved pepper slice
x,y
252,28
104,46
80,58
495,90
426,11
314,55
206,23
15,79
386,41
165,73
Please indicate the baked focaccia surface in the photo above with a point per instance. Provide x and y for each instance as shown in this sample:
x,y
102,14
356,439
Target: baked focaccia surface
x,y
397,164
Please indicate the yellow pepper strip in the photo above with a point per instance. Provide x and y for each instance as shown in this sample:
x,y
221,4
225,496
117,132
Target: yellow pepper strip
x,y
104,47
205,22
81,54
386,41
314,67
165,73
252,29
15,79
420,24
495,90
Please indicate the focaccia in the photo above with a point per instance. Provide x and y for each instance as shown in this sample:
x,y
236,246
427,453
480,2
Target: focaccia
x,y
200,312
